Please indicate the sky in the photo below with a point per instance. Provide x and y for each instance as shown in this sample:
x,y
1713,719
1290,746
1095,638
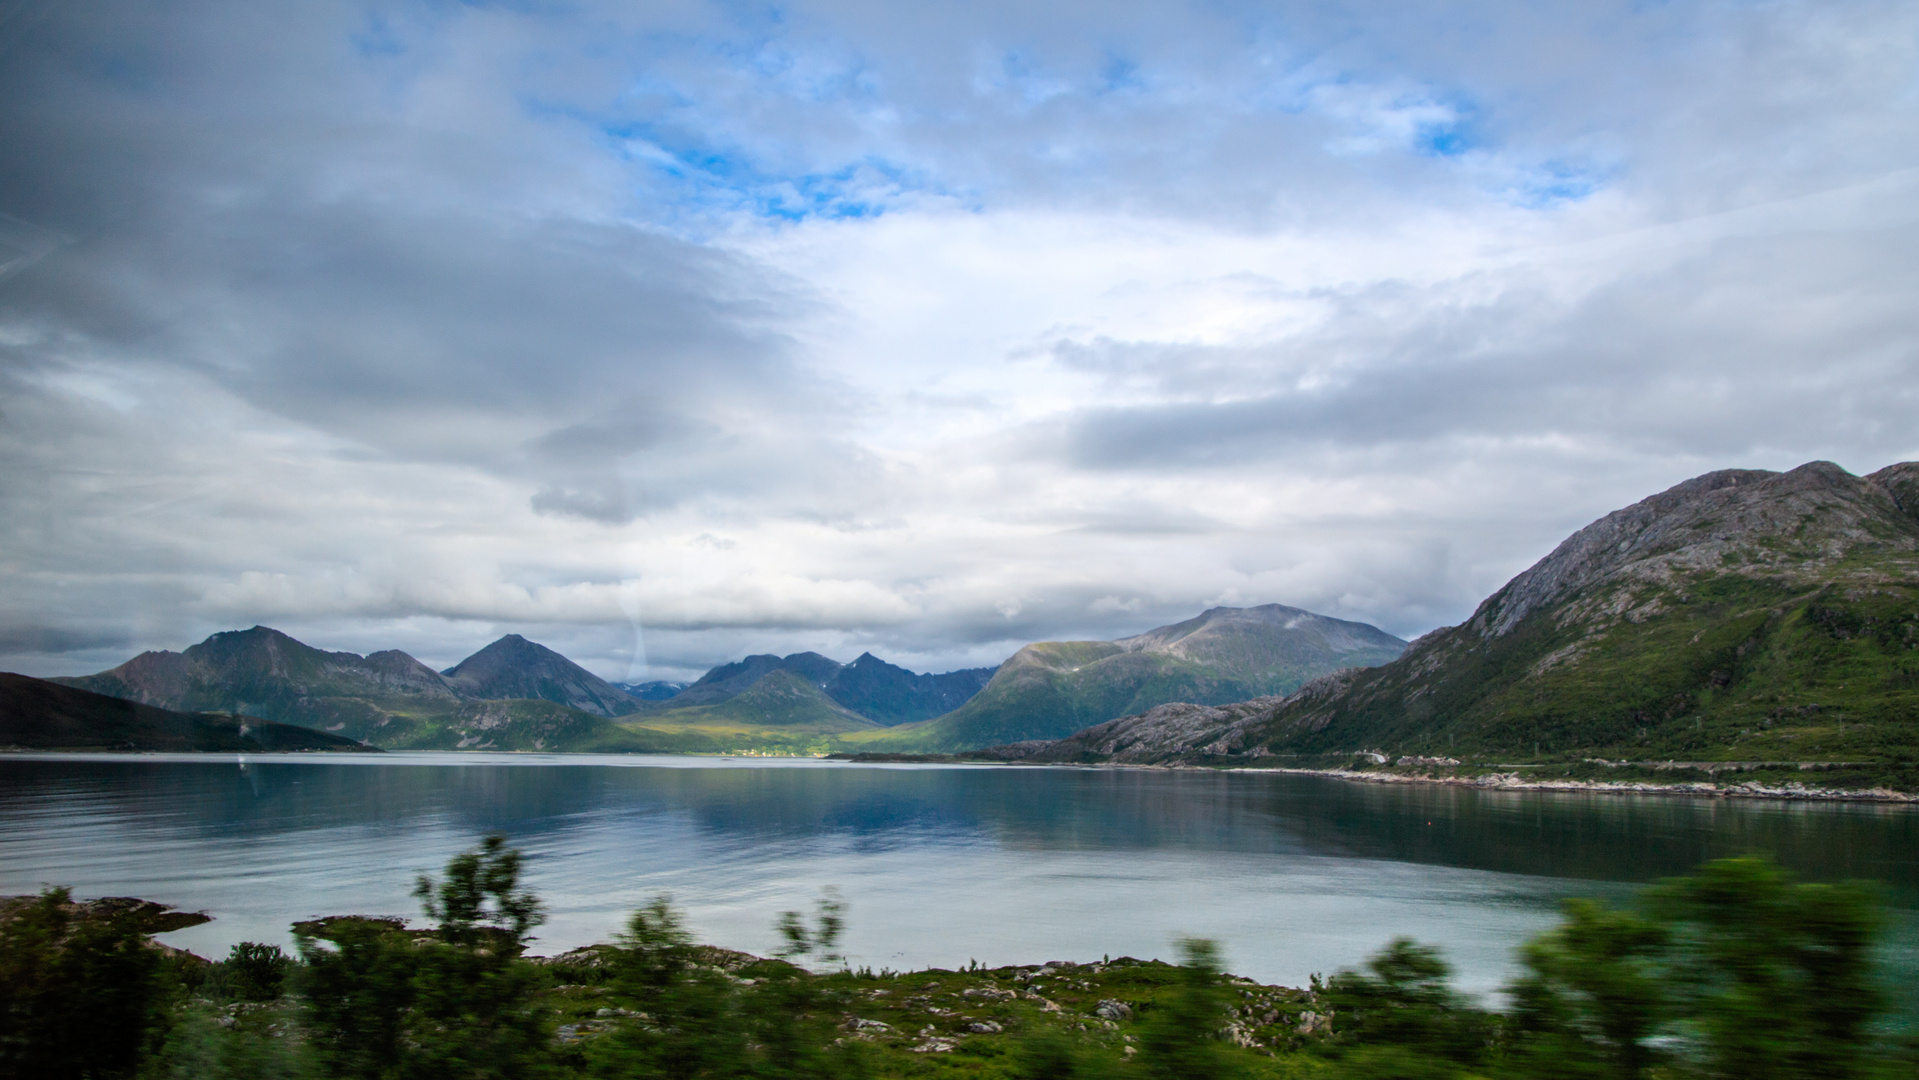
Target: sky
x,y
667,332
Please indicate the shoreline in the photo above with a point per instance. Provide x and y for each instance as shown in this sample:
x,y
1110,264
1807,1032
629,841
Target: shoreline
x,y
1503,781
1751,789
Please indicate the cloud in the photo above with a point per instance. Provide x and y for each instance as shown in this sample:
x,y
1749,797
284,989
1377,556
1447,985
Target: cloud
x,y
671,332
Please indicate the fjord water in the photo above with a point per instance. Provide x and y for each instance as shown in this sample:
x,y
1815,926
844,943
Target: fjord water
x,y
939,865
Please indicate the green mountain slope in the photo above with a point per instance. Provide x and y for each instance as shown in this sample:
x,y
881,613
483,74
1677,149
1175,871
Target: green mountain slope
x,y
780,699
535,725
39,715
869,686
1051,689
1740,616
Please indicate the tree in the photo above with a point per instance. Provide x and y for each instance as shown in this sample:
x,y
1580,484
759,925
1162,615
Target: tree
x,y
79,990
1406,1002
477,1013
357,993
1773,979
790,1013
454,1001
1181,1037
257,972
694,1027
1593,995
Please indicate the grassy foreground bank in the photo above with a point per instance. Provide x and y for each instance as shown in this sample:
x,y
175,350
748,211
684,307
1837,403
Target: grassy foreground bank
x,y
1736,971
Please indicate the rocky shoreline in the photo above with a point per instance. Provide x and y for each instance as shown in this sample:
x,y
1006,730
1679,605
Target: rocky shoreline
x,y
1751,789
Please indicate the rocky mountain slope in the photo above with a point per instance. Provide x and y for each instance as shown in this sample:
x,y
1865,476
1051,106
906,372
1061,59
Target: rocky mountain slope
x,y
1742,615
514,667
1050,689
879,691
39,715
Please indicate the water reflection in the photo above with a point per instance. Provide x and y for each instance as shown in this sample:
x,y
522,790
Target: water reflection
x,y
942,864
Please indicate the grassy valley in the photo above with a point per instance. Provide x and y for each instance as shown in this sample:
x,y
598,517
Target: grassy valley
x,y
780,713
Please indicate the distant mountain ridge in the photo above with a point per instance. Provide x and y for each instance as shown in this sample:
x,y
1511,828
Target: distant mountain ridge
x,y
388,699
1051,689
516,694
654,690
879,691
1741,615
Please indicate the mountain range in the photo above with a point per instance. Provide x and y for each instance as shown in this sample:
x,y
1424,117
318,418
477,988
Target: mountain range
x,y
516,694
1743,615
492,700
1053,688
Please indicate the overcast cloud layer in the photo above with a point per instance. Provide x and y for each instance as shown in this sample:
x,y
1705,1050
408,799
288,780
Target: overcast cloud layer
x,y
666,332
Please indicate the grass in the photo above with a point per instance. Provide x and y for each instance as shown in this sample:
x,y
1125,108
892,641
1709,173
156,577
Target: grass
x,y
1725,668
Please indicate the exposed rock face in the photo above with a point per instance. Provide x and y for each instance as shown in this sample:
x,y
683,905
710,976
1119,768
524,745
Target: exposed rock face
x,y
514,667
1771,614
1792,526
1178,728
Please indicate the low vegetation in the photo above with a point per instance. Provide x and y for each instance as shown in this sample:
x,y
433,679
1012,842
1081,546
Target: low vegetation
x,y
1737,971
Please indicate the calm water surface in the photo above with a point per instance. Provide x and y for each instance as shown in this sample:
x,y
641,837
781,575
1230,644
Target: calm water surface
x,y
938,864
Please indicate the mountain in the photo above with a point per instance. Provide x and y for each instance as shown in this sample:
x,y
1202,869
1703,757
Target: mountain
x,y
730,680
781,698
655,690
890,694
514,667
262,672
781,713
1051,689
388,698
869,686
39,715
1743,615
